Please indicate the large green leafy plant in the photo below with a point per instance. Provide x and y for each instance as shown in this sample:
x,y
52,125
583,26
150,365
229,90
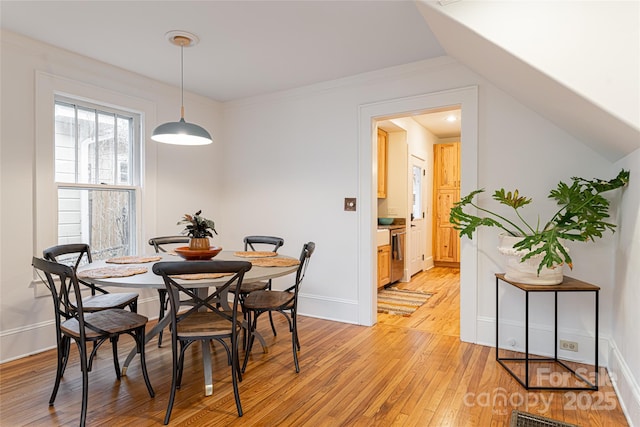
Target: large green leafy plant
x,y
197,226
581,216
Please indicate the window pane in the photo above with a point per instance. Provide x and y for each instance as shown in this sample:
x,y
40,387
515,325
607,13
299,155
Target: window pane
x,y
124,147
86,147
106,149
101,218
65,144
416,209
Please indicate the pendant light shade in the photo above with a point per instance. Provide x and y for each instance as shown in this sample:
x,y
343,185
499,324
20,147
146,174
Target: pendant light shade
x,y
181,132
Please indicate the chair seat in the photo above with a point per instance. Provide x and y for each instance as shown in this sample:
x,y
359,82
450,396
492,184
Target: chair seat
x,y
247,288
205,324
112,321
265,300
102,301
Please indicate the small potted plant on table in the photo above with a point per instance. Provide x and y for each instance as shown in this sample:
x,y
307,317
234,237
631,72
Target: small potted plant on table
x,y
199,229
536,255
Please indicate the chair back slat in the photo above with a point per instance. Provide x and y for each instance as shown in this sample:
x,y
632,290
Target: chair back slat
x,y
159,242
215,300
75,252
250,242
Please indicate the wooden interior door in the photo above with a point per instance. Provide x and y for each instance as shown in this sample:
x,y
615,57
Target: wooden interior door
x,y
446,192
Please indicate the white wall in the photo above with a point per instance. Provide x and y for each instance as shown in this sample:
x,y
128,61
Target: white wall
x,y
625,349
177,179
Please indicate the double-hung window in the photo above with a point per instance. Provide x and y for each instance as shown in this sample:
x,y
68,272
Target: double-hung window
x,y
97,176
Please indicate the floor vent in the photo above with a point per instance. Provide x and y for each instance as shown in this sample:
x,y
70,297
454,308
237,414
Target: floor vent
x,y
524,419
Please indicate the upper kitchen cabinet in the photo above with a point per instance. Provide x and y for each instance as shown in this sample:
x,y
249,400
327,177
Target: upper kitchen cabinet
x,y
383,147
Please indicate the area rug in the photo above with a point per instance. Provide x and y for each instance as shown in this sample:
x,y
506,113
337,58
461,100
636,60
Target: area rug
x,y
400,302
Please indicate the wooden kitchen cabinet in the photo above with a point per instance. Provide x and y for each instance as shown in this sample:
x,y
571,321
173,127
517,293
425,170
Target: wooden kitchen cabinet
x,y
447,165
384,265
447,245
383,146
446,192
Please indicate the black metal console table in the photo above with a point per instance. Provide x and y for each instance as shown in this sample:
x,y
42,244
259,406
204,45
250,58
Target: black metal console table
x,y
568,285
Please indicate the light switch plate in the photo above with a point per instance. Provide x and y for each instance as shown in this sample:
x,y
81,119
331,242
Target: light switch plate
x,y
349,203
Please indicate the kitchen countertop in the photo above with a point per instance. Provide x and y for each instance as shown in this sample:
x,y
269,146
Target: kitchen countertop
x,y
391,227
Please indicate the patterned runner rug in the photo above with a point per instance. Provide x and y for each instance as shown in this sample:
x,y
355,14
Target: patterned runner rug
x,y
399,301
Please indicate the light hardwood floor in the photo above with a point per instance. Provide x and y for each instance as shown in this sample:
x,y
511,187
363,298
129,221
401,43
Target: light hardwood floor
x,y
404,371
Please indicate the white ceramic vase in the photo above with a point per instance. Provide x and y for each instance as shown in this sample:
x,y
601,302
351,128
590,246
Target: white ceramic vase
x,y
526,272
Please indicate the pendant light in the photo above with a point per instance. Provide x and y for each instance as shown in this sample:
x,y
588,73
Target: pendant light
x,y
181,132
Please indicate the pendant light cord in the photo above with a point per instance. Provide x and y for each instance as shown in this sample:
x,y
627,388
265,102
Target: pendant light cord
x,y
182,41
182,80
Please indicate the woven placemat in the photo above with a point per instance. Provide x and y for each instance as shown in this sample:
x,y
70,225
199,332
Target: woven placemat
x,y
255,254
133,259
107,272
199,276
275,262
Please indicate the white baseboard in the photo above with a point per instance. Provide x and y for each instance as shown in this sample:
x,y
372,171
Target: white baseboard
x,y
341,310
541,339
625,385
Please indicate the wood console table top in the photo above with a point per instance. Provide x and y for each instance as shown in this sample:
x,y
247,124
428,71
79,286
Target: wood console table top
x,y
568,284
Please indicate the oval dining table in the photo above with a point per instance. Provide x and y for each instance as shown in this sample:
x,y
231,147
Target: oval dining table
x,y
150,280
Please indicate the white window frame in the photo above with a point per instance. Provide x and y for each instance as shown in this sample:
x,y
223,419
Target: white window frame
x,y
48,87
134,160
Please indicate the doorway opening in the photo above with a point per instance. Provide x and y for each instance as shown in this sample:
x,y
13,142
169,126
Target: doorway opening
x,y
466,100
421,175
418,177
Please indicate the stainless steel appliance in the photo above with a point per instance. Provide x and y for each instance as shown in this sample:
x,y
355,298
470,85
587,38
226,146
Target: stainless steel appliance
x,y
397,253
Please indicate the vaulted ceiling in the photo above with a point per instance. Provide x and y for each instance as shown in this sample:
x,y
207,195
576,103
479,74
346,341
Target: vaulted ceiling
x,y
574,62
249,48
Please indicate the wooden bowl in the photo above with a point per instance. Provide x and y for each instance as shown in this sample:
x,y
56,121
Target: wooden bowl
x,y
204,254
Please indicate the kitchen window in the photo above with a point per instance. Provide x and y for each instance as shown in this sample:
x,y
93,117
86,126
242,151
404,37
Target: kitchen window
x,y
97,176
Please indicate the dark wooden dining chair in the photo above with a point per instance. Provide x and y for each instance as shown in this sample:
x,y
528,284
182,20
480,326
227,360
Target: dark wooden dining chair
x,y
74,254
273,243
285,302
159,244
73,322
254,243
210,318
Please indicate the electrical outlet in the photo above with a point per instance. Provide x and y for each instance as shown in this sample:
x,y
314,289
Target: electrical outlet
x,y
568,345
